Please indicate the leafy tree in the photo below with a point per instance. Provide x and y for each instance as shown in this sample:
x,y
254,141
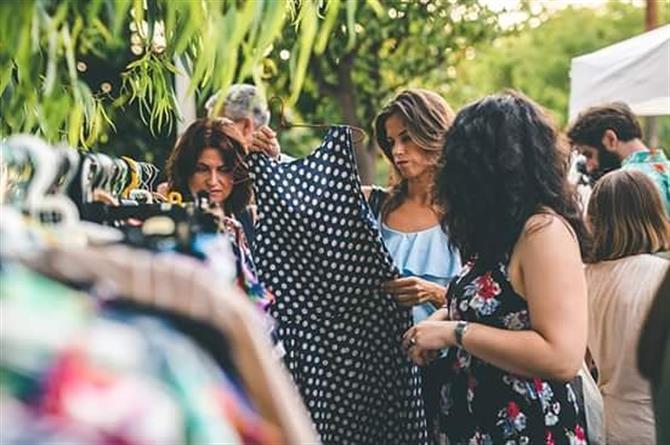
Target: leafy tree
x,y
50,49
537,59
408,43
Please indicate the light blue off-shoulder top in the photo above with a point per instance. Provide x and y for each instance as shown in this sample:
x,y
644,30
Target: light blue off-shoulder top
x,y
425,254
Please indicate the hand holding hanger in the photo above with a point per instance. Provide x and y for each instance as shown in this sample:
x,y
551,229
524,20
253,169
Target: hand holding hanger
x,y
265,141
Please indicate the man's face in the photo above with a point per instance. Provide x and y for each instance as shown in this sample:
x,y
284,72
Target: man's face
x,y
598,161
592,156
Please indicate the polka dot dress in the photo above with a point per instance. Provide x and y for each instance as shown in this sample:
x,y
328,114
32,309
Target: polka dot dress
x,y
318,249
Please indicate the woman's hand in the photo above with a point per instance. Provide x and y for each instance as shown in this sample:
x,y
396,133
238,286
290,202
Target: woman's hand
x,y
424,341
441,314
265,141
411,291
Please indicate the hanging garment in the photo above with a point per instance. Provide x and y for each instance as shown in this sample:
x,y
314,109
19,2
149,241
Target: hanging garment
x,y
70,355
190,287
318,249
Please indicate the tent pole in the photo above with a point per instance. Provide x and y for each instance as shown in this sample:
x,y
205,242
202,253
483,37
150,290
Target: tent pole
x,y
651,22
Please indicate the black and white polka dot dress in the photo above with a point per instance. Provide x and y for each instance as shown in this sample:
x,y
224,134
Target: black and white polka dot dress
x,y
318,249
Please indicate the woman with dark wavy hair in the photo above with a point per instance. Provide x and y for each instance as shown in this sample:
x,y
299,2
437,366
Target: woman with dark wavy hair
x,y
209,158
410,130
516,316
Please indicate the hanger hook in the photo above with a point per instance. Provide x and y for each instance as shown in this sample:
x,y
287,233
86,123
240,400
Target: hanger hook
x,y
283,123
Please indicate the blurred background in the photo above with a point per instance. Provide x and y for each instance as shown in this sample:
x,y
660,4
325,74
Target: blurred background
x,y
126,64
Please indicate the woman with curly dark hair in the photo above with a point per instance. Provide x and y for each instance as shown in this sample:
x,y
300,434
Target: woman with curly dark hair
x,y
516,316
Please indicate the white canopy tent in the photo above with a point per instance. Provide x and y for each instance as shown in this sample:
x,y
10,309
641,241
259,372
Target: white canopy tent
x,y
635,71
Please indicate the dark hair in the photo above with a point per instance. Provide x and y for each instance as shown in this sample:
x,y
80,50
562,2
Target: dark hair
x,y
427,117
626,217
222,136
590,125
503,161
654,336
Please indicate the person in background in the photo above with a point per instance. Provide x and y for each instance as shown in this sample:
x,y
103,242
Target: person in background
x,y
628,225
248,112
654,358
248,109
516,317
610,136
209,157
410,130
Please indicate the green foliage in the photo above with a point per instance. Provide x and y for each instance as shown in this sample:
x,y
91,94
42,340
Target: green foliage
x,y
45,43
373,52
537,59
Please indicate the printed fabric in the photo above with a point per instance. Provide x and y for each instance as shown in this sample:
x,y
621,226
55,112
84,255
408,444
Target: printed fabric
x,y
483,404
656,166
318,249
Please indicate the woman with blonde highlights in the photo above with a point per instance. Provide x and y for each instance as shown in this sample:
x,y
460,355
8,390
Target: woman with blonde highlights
x,y
629,226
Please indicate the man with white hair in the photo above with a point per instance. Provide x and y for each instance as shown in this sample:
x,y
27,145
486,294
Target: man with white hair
x,y
248,109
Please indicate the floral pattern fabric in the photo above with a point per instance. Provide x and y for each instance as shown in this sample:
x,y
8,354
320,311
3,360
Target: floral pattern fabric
x,y
656,166
485,405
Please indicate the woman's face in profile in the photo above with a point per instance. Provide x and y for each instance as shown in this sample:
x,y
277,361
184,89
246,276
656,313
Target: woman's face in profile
x,y
213,176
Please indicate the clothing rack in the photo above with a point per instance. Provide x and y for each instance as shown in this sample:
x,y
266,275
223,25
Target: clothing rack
x,y
159,339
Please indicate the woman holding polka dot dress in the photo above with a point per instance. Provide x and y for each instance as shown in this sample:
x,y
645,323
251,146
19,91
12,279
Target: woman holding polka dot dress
x,y
410,131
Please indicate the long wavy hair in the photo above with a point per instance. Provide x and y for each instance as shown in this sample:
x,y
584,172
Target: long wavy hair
x,y
427,117
222,136
626,217
503,161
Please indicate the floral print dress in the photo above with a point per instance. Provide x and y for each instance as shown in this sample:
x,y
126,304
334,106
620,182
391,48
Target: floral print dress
x,y
483,404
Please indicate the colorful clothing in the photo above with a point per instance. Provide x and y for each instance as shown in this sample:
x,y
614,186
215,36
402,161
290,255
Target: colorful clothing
x,y
483,404
82,369
656,166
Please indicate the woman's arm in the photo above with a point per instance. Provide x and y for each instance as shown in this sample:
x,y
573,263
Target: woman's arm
x,y
553,283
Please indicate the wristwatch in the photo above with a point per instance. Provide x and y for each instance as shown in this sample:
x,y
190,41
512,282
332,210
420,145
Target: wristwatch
x,y
459,332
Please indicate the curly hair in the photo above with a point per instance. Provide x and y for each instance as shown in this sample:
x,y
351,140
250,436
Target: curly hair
x,y
427,117
627,217
503,161
222,136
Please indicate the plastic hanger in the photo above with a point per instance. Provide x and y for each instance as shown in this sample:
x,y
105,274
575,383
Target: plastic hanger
x,y
48,209
69,164
17,170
